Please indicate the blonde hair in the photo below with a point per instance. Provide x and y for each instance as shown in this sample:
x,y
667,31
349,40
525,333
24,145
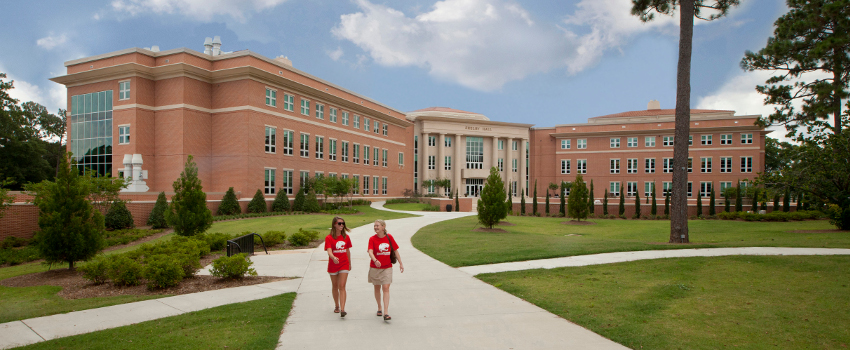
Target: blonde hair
x,y
383,224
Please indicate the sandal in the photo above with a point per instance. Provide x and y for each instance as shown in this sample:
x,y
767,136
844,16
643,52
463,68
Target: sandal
x,y
387,318
342,314
336,310
379,313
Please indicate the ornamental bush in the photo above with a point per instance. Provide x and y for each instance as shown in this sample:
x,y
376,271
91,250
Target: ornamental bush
x,y
229,204
258,203
491,205
157,218
216,240
281,202
163,271
124,271
303,238
311,205
118,217
188,212
236,266
273,238
96,270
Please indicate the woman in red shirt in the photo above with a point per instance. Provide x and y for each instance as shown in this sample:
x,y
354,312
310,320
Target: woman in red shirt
x,y
381,267
338,245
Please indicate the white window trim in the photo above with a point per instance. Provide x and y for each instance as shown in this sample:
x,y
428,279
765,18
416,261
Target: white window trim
x,y
128,134
272,99
273,145
128,89
274,185
292,148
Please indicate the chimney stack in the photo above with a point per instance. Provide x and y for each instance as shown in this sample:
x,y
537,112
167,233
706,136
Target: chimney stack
x,y
284,60
216,46
208,46
654,104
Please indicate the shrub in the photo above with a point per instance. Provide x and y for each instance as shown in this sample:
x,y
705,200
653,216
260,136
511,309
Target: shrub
x,y
96,270
258,203
273,238
311,205
776,216
157,218
163,271
281,202
750,216
216,240
430,207
402,200
13,242
193,246
125,236
303,238
229,205
188,212
300,201
124,271
236,266
15,256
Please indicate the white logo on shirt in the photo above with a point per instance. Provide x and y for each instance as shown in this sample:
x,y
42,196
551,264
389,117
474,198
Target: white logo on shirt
x,y
340,245
383,247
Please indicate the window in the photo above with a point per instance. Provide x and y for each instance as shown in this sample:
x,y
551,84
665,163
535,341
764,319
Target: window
x,y
376,129
432,162
667,141
400,158
305,107
631,166
690,165
288,137
475,152
355,157
320,147
345,118
501,144
705,140
667,165
649,141
270,139
615,142
666,187
514,146
333,175
705,164
725,139
271,97
356,123
287,181
746,164
690,140
431,187
365,185
331,149
305,145
565,166
647,189
725,164
365,155
288,102
649,165
514,165
366,123
746,139
320,111
384,158
356,183
581,166
344,152
383,185
631,142
447,141
565,144
376,183
514,190
124,90
302,180
333,115
581,143
705,189
723,186
615,166
690,189
385,129
432,141
501,164
614,188
375,158
269,183
447,191
447,162
123,134
631,188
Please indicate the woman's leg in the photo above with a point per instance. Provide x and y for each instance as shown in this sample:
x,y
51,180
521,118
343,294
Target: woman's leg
x,y
386,289
378,295
335,289
342,278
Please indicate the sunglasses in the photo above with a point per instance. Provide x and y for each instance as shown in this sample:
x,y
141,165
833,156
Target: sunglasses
x,y
340,223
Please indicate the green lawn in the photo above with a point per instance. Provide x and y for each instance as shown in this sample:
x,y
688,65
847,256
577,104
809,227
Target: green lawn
x,y
291,223
407,206
250,325
27,302
742,302
454,243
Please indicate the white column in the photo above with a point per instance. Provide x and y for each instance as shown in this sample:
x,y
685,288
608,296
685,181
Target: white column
x,y
522,171
441,145
509,154
423,161
495,154
459,162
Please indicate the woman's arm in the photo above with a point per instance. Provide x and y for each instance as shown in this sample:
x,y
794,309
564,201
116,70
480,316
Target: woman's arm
x,y
331,255
348,252
374,259
398,258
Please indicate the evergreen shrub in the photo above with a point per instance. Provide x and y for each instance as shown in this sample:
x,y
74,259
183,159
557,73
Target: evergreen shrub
x,y
273,238
281,202
118,217
229,204
124,271
96,270
157,217
163,271
236,266
258,203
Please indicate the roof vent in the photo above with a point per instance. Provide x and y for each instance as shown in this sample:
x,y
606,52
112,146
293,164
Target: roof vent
x,y
155,48
654,104
208,46
284,60
216,46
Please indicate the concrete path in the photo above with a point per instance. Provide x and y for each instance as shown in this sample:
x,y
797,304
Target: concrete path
x,y
434,306
610,258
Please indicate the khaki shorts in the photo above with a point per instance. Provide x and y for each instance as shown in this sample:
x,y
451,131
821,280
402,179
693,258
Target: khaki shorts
x,y
380,276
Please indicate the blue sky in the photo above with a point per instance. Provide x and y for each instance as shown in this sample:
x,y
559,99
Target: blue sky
x,y
544,63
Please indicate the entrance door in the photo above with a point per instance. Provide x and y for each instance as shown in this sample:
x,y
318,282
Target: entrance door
x,y
474,186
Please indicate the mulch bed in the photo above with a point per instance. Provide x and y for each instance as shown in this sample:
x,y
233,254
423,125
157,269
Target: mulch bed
x,y
484,229
505,223
574,222
820,231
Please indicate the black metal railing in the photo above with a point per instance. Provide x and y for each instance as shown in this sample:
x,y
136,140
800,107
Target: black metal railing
x,y
244,244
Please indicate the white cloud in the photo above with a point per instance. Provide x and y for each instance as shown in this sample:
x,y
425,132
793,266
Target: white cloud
x,y
51,41
203,10
335,54
53,97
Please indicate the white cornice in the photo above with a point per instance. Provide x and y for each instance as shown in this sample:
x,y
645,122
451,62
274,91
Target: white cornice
x,y
666,149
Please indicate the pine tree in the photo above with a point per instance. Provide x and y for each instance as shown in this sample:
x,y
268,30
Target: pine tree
x,y
799,201
509,203
188,212
457,201
491,204
311,205
300,201
281,202
258,203
786,201
71,229
562,210
522,202
622,201
776,201
637,205
739,198
534,200
547,203
578,199
229,204
726,202
755,195
711,204
653,210
605,203
591,200
667,203
157,217
699,204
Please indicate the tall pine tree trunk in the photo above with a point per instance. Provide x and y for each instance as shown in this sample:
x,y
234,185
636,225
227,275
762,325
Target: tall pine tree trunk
x,y
679,210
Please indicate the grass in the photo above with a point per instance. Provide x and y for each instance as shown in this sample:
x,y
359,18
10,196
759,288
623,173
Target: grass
x,y
27,302
407,206
744,302
249,325
454,243
291,223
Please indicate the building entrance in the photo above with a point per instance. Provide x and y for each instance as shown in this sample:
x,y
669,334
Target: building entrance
x,y
474,186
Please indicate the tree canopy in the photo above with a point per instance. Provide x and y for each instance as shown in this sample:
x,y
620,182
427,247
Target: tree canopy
x,y
491,205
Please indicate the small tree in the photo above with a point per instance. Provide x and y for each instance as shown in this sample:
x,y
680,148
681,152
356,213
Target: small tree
x,y
563,206
739,198
457,201
799,201
755,196
509,203
637,205
534,200
667,202
591,201
605,203
622,201
786,201
258,203
71,228
281,202
552,187
491,204
699,204
776,197
522,202
118,217
157,217
229,204
726,201
300,201
711,204
188,212
311,205
653,210
578,199
547,203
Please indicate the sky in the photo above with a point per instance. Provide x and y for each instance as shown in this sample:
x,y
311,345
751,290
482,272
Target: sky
x,y
539,62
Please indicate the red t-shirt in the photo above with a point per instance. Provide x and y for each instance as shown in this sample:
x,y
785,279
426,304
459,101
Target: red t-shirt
x,y
381,249
339,248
